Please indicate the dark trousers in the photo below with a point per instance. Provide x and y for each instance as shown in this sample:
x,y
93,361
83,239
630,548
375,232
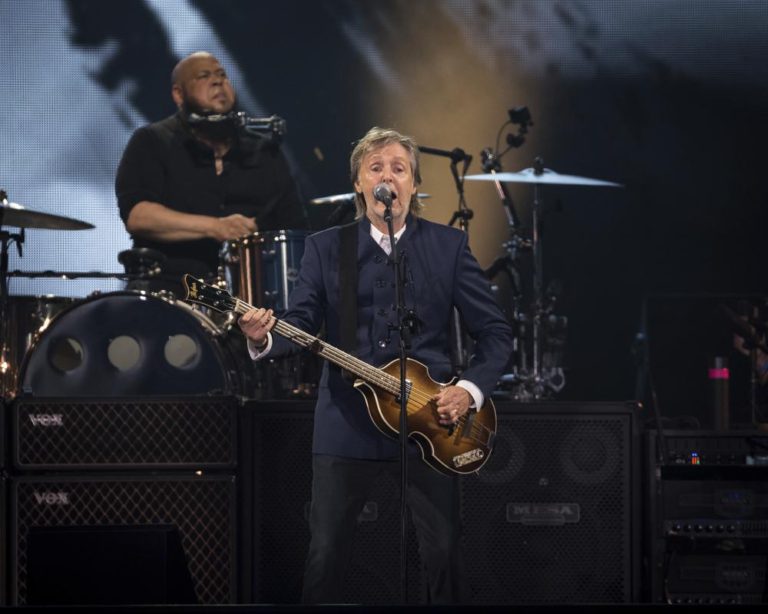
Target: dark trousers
x,y
339,490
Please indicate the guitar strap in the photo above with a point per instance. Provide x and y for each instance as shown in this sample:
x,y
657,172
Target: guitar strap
x,y
348,287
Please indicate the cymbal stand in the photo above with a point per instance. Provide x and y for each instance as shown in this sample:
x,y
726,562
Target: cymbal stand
x,y
538,283
534,381
508,264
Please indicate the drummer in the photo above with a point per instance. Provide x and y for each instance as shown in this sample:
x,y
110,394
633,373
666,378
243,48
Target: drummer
x,y
187,183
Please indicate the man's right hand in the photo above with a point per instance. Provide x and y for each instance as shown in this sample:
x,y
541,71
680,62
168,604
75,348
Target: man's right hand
x,y
232,227
159,223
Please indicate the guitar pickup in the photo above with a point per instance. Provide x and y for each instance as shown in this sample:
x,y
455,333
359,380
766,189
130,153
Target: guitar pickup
x,y
408,386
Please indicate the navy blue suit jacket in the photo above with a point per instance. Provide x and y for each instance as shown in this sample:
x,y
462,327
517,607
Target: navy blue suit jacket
x,y
441,273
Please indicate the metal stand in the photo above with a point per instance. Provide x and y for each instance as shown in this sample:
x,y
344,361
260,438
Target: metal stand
x,y
6,238
404,327
530,378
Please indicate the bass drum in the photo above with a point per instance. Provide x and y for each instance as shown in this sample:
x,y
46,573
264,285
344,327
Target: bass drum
x,y
134,344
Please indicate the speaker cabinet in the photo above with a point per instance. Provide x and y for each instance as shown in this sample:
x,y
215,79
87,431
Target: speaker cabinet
x,y
282,465
62,517
131,433
553,516
3,542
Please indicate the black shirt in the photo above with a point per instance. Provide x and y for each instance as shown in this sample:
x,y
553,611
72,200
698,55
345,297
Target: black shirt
x,y
164,163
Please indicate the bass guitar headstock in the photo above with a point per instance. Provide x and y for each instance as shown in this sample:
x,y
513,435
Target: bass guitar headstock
x,y
207,295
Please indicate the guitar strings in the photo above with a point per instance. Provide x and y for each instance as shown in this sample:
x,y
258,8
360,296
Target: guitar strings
x,y
381,379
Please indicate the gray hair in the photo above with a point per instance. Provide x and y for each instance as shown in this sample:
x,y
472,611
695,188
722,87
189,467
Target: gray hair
x,y
377,138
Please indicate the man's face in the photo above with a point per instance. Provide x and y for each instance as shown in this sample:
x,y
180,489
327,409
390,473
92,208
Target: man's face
x,y
203,86
390,164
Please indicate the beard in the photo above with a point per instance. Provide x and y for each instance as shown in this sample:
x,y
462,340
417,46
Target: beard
x,y
207,124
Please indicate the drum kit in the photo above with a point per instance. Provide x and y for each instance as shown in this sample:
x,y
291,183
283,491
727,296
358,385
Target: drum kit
x,y
50,346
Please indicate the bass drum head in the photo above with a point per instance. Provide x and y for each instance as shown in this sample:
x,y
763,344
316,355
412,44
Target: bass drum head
x,y
133,344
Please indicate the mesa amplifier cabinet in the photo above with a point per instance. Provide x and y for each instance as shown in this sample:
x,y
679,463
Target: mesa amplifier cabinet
x,y
110,516
553,517
133,433
708,517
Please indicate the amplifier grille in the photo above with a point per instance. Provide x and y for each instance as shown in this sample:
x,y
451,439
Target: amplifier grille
x,y
194,432
201,507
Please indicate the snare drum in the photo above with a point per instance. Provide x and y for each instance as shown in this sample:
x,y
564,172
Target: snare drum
x,y
131,344
262,268
28,317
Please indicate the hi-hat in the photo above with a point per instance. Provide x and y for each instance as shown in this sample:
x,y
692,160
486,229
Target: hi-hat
x,y
13,214
340,198
549,176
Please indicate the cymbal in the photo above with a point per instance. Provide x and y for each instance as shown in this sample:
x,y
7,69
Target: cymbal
x,y
13,214
340,198
549,176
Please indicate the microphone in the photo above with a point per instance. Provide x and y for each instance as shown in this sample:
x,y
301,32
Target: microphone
x,y
384,194
274,124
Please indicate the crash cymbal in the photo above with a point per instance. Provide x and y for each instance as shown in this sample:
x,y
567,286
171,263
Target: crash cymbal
x,y
549,176
13,214
339,198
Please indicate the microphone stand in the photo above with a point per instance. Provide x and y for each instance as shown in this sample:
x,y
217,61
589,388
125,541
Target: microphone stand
x,y
404,326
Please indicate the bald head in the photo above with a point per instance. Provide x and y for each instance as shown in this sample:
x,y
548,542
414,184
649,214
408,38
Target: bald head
x,y
184,63
201,83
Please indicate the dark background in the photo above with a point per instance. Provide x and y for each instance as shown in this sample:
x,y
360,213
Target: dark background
x,y
667,97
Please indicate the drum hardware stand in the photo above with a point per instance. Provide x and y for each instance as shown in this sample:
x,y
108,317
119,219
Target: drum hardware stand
x,y
540,380
463,214
6,238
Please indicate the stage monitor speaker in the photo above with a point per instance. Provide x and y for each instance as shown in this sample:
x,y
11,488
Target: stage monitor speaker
x,y
131,433
553,517
200,507
282,467
107,565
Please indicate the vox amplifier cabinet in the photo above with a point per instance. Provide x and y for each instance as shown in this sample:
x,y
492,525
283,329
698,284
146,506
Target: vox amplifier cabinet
x,y
553,516
707,518
134,433
63,525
